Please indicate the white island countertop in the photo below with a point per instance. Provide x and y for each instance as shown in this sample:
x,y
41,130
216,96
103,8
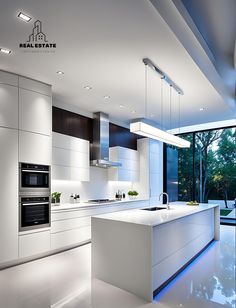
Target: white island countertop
x,y
155,218
84,205
141,251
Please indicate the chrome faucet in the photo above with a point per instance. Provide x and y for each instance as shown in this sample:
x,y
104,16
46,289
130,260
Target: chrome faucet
x,y
167,201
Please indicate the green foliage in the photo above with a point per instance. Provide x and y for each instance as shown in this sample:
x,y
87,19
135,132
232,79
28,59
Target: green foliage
x,y
56,197
214,166
132,193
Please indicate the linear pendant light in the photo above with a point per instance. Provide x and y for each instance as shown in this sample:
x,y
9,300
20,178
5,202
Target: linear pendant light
x,y
150,131
139,126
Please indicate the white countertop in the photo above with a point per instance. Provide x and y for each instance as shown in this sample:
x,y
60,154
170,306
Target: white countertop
x,y
84,205
154,218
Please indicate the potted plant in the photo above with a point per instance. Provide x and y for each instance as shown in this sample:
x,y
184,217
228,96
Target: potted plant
x,y
56,198
132,194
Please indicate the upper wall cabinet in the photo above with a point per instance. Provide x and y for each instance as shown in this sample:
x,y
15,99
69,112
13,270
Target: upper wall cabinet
x,y
8,106
129,171
35,112
35,148
70,158
8,78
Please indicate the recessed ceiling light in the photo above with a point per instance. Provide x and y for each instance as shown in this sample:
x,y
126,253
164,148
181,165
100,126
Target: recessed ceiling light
x,y
87,87
122,106
133,111
60,73
24,17
5,50
203,108
106,96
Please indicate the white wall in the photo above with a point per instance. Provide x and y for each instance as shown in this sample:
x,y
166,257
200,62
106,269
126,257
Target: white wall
x,y
97,188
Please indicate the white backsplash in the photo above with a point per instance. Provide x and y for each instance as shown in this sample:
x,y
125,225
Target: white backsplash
x,y
97,188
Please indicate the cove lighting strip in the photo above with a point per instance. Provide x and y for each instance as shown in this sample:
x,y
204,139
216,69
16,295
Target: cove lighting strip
x,y
146,130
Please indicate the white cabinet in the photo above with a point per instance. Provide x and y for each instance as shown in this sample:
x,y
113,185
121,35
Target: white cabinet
x,y
34,148
73,227
70,158
8,78
8,195
34,85
35,112
34,243
151,166
129,171
8,106
155,170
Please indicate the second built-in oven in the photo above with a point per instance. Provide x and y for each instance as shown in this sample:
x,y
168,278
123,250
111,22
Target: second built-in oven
x,y
34,179
34,212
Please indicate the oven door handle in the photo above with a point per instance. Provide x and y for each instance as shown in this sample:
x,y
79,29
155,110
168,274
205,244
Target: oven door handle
x,y
35,203
34,171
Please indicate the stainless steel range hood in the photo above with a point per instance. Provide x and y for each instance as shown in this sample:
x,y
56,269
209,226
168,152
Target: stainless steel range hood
x,y
100,147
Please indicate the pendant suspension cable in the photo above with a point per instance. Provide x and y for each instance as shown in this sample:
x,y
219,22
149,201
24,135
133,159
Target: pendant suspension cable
x,y
146,90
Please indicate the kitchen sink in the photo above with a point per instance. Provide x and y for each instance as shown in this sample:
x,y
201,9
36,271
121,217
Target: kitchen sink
x,y
154,208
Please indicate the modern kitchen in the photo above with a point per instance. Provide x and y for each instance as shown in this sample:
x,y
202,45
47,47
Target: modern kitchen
x,y
117,154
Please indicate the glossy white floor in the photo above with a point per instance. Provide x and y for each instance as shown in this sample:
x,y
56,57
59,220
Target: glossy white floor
x,y
64,280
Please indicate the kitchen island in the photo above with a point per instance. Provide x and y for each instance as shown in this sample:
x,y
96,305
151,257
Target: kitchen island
x,y
140,251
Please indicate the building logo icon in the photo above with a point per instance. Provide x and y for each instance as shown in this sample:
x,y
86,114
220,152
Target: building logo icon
x,y
37,41
37,34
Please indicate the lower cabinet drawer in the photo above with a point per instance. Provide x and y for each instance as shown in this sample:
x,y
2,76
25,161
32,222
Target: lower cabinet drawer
x,y
70,237
34,243
68,224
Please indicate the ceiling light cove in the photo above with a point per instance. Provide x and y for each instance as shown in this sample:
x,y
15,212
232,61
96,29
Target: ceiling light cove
x,y
24,17
5,50
87,87
60,73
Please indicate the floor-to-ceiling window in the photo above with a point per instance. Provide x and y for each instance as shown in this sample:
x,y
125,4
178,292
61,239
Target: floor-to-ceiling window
x,y
205,172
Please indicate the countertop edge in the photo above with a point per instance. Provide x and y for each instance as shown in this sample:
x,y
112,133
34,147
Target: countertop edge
x,y
84,206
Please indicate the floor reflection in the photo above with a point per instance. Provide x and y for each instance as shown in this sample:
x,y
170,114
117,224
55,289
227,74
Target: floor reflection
x,y
64,281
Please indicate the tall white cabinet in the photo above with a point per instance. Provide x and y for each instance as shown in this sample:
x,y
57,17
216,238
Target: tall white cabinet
x,y
35,121
151,169
25,136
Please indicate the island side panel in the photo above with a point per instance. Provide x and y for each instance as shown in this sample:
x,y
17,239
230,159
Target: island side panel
x,y
175,243
122,255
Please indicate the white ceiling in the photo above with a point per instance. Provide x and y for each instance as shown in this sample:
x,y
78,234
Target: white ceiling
x,y
101,44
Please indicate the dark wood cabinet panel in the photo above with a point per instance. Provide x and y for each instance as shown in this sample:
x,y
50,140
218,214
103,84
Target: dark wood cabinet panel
x,y
120,136
72,124
76,125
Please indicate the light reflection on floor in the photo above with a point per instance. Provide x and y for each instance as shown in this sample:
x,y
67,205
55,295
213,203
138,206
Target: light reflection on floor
x,y
64,281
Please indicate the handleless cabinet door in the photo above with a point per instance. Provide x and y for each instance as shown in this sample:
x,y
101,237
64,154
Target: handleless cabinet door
x,y
8,106
8,195
35,148
35,112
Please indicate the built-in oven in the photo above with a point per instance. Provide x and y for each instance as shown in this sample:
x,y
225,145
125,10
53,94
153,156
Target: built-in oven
x,y
35,212
34,179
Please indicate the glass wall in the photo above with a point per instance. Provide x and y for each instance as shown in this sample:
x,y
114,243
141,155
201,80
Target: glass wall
x,y
207,170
